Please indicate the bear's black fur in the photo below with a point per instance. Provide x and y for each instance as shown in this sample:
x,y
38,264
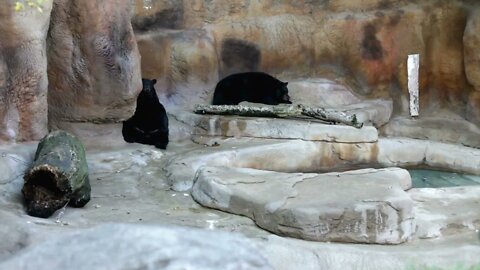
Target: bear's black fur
x,y
255,87
149,124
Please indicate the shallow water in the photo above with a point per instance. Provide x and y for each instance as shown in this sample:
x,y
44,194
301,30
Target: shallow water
x,y
436,179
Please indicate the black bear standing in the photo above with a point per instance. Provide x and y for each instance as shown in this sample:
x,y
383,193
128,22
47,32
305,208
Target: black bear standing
x,y
149,124
255,87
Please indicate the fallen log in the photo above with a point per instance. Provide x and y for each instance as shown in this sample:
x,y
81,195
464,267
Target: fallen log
x,y
58,175
280,111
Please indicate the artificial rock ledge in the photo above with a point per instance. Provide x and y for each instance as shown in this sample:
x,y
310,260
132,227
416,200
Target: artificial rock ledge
x,y
274,128
363,206
130,246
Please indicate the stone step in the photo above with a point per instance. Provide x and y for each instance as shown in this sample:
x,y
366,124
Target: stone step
x,y
364,206
438,128
274,128
308,156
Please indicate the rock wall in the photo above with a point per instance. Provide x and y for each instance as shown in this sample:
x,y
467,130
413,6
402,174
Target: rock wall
x,y
94,66
84,54
23,72
363,44
93,73
471,41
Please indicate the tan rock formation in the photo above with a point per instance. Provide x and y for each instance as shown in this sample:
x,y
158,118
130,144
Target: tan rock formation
x,y
363,44
23,72
471,41
94,65
182,62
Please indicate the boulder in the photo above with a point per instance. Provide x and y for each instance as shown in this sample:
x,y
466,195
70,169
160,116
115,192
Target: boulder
x,y
366,206
117,246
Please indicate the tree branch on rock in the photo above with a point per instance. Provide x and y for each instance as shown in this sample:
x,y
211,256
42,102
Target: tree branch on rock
x,y
280,111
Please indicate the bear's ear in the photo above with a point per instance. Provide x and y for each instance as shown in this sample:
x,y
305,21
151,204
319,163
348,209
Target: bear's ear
x,y
285,83
154,81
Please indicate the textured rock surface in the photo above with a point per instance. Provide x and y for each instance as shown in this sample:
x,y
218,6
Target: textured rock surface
x,y
94,67
183,62
14,163
473,108
443,211
334,95
142,247
321,92
271,128
362,45
307,156
409,152
128,186
366,206
459,131
471,40
13,235
446,253
273,155
23,72
94,64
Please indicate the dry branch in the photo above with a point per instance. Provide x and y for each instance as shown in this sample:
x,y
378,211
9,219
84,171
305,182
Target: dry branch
x,y
280,111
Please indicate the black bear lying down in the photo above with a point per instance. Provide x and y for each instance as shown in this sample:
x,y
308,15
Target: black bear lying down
x,y
149,124
255,87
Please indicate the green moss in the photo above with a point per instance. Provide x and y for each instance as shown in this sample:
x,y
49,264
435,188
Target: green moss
x,y
22,4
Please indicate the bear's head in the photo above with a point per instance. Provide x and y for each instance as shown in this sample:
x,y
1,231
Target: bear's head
x,y
148,87
282,93
147,99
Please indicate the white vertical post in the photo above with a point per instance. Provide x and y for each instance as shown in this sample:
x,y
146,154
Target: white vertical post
x,y
413,66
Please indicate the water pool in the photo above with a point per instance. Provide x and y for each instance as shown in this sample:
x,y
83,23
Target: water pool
x,y
437,179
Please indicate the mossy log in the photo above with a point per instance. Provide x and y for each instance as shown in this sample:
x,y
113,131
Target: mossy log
x,y
280,111
58,175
